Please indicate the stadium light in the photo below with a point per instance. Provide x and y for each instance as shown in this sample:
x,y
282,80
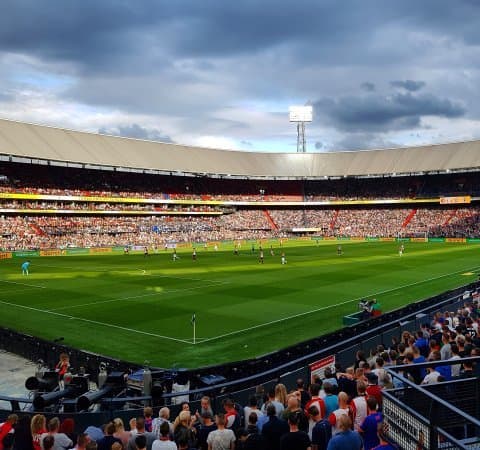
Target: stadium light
x,y
301,115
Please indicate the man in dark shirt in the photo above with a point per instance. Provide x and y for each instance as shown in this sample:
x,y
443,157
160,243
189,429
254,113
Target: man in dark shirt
x,y
106,442
296,439
204,429
304,395
274,429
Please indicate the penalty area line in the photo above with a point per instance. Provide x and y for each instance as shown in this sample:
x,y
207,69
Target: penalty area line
x,y
133,297
37,286
95,322
323,308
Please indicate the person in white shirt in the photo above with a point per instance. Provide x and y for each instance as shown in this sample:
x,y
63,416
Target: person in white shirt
x,y
62,441
431,377
222,438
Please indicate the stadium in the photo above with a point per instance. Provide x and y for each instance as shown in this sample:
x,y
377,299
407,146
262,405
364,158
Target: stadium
x,y
225,270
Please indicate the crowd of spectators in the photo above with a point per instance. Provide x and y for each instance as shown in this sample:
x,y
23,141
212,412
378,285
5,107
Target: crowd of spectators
x,y
341,408
102,206
56,231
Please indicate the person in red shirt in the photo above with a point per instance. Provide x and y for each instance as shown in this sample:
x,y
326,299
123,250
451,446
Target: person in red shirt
x,y
63,365
38,427
315,400
232,419
373,389
7,427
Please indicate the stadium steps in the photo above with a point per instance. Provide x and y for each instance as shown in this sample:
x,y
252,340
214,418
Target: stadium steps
x,y
37,229
333,222
270,220
450,217
409,218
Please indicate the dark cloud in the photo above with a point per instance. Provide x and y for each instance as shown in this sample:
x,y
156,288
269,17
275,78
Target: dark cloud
x,y
192,63
376,112
137,132
367,86
362,141
318,145
96,34
409,85
246,143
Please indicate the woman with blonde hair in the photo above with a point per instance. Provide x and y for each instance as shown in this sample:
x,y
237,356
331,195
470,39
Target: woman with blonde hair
x,y
182,428
120,432
281,394
38,425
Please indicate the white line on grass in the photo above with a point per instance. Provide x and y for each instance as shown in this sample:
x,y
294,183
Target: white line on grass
x,y
131,270
16,291
96,322
23,284
151,294
203,340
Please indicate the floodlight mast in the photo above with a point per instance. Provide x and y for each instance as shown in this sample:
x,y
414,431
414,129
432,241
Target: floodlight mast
x,y
301,115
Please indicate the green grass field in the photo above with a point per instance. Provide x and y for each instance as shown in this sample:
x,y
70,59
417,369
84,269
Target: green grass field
x,y
136,308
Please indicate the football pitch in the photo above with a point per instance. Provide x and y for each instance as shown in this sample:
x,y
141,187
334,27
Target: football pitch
x,y
140,308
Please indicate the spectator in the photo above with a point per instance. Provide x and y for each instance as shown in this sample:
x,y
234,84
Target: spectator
x,y
321,432
221,438
82,441
274,429
252,408
295,439
279,407
140,442
164,443
204,430
38,429
120,432
23,434
315,400
48,442
147,415
106,442
331,400
68,427
205,406
455,356
369,427
373,389
359,405
140,430
163,416
293,407
304,395
345,439
61,440
343,409
7,428
232,418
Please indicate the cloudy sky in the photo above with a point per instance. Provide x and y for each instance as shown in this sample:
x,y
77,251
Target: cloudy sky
x,y
222,73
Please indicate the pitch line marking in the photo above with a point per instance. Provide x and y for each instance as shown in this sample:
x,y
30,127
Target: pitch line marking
x,y
152,294
37,286
130,270
16,291
96,322
203,340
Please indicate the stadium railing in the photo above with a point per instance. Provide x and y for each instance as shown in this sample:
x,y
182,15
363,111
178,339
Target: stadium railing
x,y
441,415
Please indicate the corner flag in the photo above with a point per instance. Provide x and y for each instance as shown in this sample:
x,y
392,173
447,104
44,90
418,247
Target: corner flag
x,y
193,322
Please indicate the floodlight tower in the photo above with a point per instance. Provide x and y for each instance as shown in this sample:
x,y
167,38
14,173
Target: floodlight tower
x,y
301,115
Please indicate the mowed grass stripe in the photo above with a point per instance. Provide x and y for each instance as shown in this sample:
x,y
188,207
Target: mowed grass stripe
x,y
244,294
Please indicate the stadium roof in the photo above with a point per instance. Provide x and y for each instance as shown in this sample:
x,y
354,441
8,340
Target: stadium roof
x,y
22,142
